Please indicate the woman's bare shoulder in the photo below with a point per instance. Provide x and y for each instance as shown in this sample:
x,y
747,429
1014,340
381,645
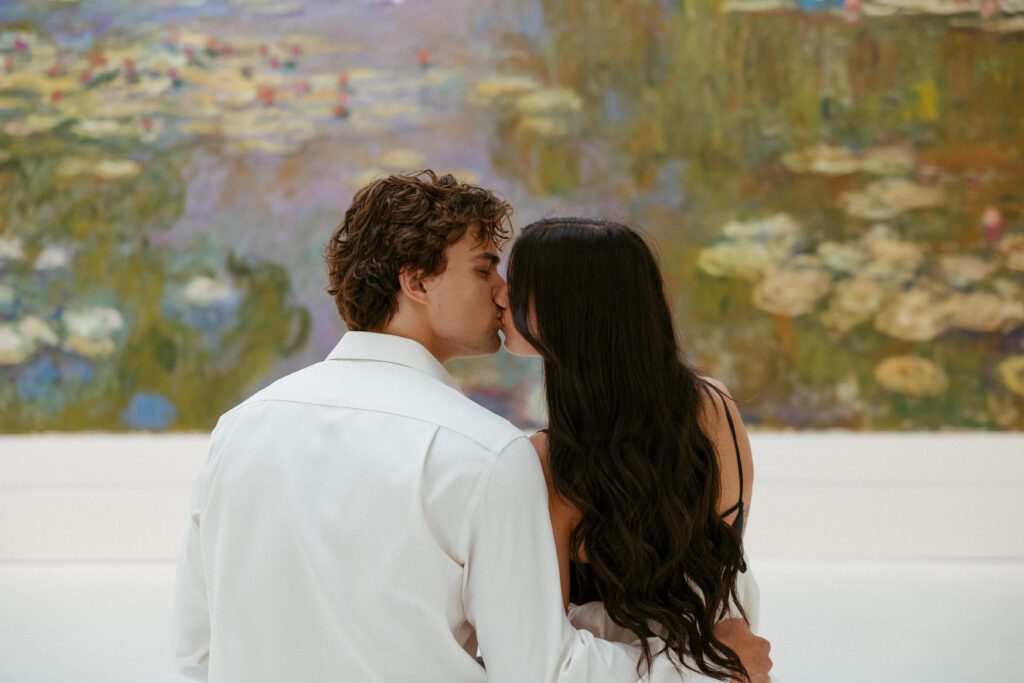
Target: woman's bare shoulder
x,y
540,443
719,426
561,509
713,402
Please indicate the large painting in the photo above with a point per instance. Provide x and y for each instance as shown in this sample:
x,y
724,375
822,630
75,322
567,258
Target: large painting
x,y
835,189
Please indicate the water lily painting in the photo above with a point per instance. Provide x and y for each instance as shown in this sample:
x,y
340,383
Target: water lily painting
x,y
835,189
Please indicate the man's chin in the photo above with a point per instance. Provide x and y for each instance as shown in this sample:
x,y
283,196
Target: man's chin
x,y
494,344
486,347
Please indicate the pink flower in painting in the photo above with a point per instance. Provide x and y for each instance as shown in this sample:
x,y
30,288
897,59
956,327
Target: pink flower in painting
x,y
275,63
341,109
992,223
85,76
175,76
55,96
97,59
55,70
147,124
851,11
973,180
343,79
20,45
296,50
423,57
301,87
989,8
131,72
265,95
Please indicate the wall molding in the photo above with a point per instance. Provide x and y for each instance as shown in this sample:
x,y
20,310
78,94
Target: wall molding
x,y
820,496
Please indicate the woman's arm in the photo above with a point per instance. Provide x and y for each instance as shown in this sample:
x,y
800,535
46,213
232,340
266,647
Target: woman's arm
x,y
564,516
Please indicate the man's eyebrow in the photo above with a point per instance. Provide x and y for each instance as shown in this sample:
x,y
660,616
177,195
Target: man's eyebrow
x,y
489,256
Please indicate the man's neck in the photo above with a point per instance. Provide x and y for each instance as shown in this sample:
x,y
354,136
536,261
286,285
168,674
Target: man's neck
x,y
423,337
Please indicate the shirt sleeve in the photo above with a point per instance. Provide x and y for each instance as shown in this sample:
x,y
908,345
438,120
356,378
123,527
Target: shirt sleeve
x,y
191,619
513,596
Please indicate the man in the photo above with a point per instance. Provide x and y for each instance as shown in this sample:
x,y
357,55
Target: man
x,y
363,520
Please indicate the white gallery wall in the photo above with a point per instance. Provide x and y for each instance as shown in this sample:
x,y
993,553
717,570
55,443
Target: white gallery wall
x,y
817,496
881,557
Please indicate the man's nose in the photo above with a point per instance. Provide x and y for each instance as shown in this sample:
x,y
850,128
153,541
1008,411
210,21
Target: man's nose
x,y
501,296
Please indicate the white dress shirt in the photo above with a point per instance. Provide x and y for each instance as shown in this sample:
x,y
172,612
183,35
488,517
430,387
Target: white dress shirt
x,y
362,520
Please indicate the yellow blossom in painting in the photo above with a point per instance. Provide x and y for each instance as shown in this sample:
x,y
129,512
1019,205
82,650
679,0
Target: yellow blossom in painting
x,y
53,257
986,312
97,129
104,169
92,331
842,257
746,260
780,227
20,340
827,160
32,124
497,86
403,158
884,199
549,101
11,248
895,261
822,159
919,314
1011,370
10,105
548,126
854,301
116,169
14,346
888,160
794,290
911,376
205,291
753,247
38,330
1012,249
960,271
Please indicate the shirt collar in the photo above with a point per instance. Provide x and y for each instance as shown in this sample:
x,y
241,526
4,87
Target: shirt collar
x,y
390,348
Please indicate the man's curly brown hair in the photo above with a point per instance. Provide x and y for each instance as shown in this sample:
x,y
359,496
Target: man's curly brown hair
x,y
403,221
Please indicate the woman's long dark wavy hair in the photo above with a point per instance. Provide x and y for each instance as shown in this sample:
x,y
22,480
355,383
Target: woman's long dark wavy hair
x,y
626,447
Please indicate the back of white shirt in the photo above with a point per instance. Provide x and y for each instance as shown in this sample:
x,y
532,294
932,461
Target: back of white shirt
x,y
362,520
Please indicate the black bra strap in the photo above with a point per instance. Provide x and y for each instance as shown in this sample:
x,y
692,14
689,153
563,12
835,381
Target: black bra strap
x,y
735,443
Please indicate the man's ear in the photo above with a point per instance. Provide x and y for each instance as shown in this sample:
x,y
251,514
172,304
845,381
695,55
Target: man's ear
x,y
412,284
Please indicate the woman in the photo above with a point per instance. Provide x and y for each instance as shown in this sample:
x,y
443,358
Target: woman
x,y
648,464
